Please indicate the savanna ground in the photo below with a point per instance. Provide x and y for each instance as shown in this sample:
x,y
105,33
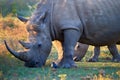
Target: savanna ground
x,y
12,30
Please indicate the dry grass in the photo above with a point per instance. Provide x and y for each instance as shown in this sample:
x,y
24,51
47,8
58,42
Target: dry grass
x,y
11,27
11,30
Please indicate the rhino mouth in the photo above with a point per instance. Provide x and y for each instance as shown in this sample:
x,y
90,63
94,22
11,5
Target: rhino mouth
x,y
24,56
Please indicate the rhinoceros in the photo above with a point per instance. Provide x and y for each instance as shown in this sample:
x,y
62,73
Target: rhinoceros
x,y
92,22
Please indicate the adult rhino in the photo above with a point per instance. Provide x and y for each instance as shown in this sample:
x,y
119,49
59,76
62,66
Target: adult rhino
x,y
93,22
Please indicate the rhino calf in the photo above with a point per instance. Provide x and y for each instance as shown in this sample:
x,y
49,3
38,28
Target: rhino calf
x,y
79,51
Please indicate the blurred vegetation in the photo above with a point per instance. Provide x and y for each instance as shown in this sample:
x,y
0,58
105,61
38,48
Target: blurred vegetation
x,y
20,7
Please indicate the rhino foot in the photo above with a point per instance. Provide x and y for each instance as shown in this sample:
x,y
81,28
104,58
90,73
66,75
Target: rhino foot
x,y
66,63
93,60
117,59
77,59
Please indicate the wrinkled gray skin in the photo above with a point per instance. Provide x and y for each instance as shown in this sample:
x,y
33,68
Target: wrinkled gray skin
x,y
92,22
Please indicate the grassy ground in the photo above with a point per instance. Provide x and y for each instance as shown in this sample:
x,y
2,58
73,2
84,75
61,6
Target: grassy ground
x,y
13,69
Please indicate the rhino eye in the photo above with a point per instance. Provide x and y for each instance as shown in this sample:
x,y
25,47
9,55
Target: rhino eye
x,y
78,46
39,44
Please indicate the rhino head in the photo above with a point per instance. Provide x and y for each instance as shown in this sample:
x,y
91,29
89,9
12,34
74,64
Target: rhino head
x,y
39,45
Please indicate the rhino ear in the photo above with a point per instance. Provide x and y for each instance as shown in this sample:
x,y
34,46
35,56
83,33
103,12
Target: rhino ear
x,y
22,19
43,15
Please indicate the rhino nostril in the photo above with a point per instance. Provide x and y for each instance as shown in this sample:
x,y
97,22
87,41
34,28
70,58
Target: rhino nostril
x,y
39,45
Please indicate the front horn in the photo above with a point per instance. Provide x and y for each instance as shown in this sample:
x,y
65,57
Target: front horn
x,y
20,55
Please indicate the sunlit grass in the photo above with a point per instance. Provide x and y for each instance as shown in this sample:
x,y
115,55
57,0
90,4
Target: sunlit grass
x,y
11,29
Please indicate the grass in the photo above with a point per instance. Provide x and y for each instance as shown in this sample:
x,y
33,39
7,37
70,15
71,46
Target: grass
x,y
13,69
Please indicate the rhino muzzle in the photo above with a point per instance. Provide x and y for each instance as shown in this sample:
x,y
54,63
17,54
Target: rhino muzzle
x,y
30,59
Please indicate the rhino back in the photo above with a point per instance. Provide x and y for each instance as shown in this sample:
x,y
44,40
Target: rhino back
x,y
101,21
98,19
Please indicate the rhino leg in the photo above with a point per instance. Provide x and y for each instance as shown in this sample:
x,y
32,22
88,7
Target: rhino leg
x,y
68,48
114,51
95,55
80,51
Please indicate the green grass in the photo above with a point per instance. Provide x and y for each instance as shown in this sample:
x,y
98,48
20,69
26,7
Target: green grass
x,y
13,69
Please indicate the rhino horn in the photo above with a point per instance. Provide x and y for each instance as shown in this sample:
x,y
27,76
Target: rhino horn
x,y
25,45
24,56
22,19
